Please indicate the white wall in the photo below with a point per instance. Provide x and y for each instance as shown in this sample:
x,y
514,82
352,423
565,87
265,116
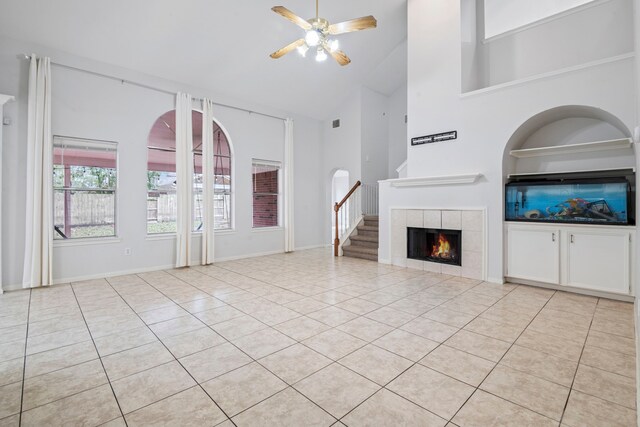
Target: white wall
x,y
89,106
591,32
341,149
397,146
485,121
375,136
342,145
502,16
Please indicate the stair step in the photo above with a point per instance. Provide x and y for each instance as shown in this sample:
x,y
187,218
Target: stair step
x,y
370,224
364,244
371,218
368,233
362,238
367,228
362,256
360,249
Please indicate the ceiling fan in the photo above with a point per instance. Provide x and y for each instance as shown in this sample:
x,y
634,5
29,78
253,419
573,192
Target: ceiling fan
x,y
318,35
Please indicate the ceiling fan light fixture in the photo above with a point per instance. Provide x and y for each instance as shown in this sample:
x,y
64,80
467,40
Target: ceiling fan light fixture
x,y
321,56
317,32
312,38
302,50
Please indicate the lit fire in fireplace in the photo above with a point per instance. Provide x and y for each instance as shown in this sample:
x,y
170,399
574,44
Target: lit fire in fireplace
x,y
443,248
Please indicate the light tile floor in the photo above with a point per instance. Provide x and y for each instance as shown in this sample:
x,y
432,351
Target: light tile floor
x,y
306,339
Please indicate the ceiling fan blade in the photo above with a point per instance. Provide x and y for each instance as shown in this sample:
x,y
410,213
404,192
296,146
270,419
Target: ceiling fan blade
x,y
357,24
281,10
288,48
341,57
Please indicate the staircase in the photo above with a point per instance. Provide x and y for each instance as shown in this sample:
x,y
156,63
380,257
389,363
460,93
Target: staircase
x,y
364,240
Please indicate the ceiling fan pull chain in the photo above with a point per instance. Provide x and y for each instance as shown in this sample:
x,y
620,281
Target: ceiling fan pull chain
x,y
317,13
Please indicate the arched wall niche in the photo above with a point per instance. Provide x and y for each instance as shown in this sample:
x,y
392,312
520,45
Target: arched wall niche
x,y
567,125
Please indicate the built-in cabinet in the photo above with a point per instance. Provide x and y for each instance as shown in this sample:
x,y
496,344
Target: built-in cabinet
x,y
598,259
534,253
576,256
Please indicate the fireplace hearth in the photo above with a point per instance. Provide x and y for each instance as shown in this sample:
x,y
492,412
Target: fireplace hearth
x,y
435,245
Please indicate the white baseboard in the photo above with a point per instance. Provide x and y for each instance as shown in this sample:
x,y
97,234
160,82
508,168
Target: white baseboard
x,y
237,257
65,280
306,248
384,261
574,290
62,281
499,281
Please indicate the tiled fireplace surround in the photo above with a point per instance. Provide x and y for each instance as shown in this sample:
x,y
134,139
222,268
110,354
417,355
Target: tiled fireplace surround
x,y
472,224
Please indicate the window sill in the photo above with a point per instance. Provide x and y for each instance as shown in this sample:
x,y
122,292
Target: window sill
x,y
86,242
266,229
170,236
225,232
160,236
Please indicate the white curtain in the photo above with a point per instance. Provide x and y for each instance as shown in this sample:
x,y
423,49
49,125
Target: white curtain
x,y
39,209
289,241
208,177
184,176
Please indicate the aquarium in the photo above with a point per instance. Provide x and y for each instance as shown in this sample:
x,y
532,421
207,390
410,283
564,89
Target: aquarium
x,y
605,201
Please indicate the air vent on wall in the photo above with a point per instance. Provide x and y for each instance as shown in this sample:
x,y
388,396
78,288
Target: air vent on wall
x,y
336,123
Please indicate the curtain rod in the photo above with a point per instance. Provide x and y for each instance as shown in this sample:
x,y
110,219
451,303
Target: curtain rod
x,y
153,88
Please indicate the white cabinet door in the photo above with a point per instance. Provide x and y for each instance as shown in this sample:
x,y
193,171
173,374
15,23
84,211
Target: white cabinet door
x,y
598,260
533,254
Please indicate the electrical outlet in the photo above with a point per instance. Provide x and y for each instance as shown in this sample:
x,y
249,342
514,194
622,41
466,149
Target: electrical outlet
x,y
127,251
6,120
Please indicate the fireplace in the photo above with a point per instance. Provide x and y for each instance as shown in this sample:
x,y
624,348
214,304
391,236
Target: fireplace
x,y
435,245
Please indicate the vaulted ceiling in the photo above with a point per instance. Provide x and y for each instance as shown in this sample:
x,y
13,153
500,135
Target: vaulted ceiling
x,y
223,45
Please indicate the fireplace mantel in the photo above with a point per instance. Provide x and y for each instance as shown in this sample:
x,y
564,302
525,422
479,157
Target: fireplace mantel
x,y
429,181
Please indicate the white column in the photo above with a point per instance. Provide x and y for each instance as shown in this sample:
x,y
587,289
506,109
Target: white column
x,y
3,100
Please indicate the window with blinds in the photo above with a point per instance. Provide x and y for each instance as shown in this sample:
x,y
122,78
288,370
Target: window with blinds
x,y
84,188
266,193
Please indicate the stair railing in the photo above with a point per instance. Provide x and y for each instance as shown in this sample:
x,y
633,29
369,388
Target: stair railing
x,y
347,211
369,199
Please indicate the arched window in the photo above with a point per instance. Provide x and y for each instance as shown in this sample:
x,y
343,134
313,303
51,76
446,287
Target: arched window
x,y
222,173
161,176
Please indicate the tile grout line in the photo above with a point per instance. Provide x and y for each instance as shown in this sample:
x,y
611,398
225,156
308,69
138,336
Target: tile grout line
x,y
297,342
575,374
24,365
384,387
253,360
267,369
331,277
498,362
98,354
174,357
239,367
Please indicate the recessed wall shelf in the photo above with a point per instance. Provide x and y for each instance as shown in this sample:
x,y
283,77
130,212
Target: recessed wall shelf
x,y
586,147
542,174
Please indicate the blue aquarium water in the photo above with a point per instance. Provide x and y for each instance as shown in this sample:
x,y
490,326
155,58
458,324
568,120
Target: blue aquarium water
x,y
567,202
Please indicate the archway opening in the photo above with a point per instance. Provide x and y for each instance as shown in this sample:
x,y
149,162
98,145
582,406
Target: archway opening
x,y
339,189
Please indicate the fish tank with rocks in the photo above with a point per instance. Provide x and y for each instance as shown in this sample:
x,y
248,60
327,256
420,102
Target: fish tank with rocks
x,y
576,201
